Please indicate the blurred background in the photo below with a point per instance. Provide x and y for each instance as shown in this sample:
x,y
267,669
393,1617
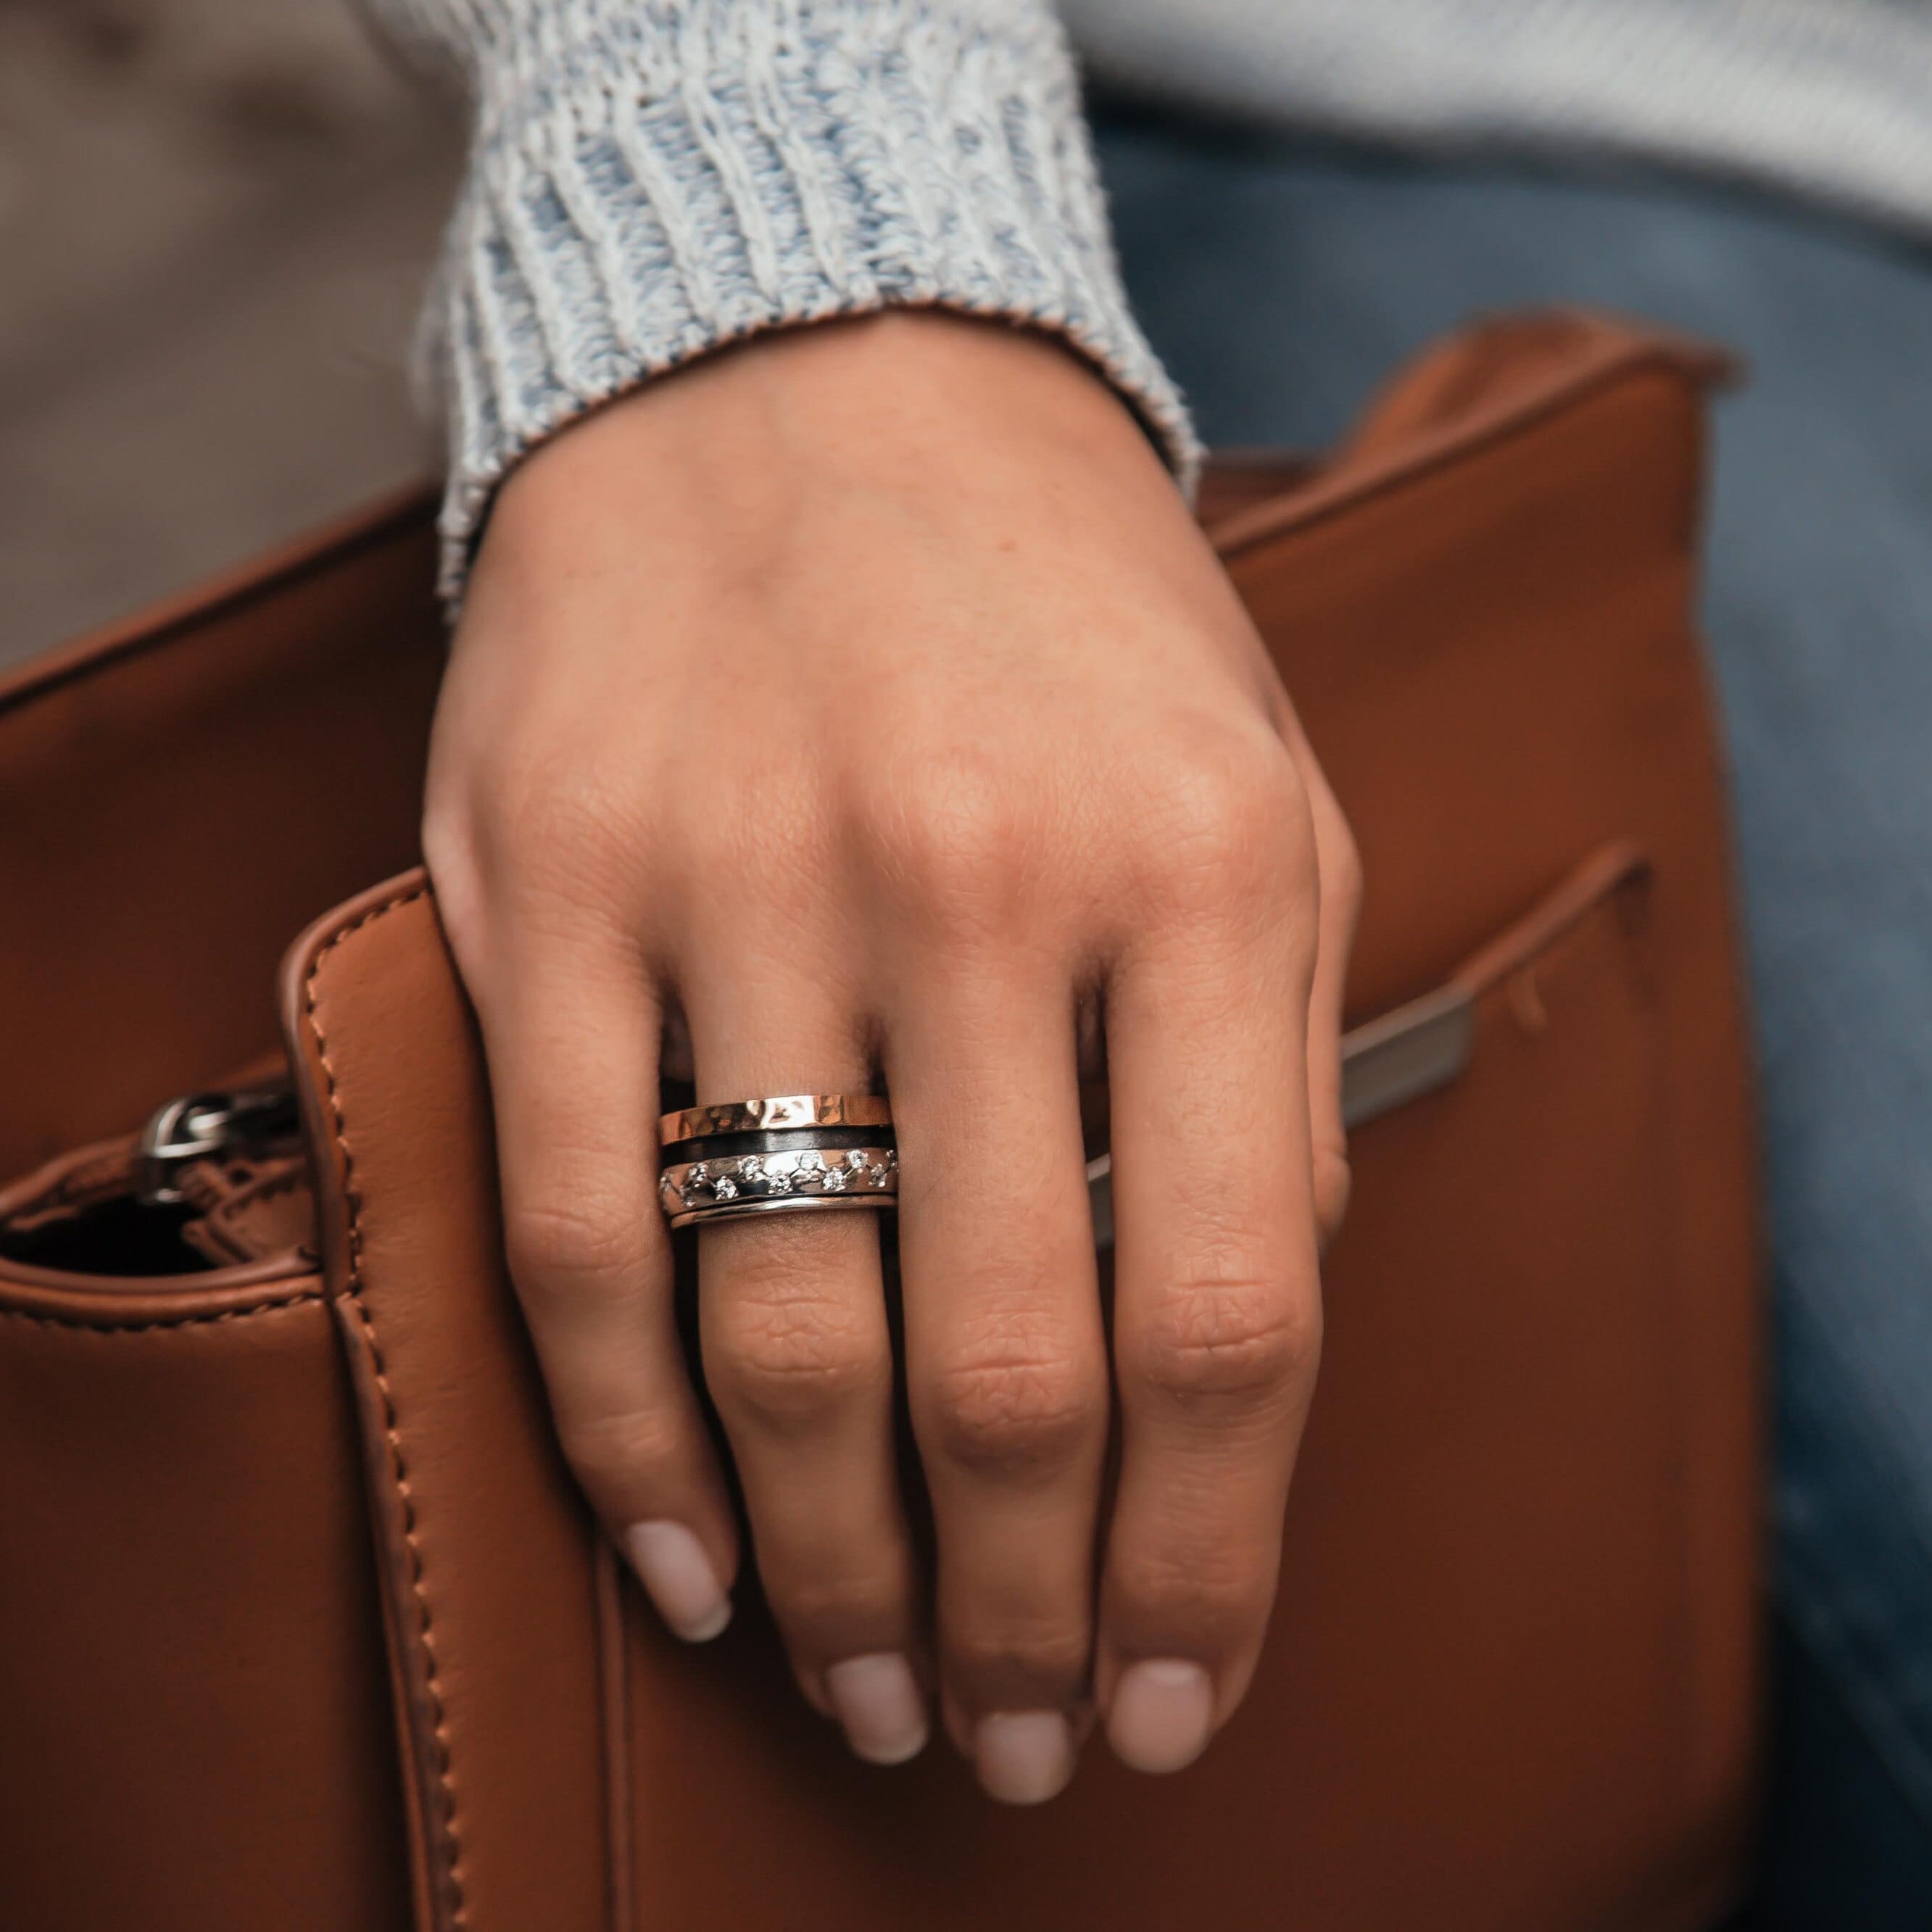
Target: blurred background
x,y
215,222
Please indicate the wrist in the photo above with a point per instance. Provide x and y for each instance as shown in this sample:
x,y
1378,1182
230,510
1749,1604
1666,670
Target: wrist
x,y
890,402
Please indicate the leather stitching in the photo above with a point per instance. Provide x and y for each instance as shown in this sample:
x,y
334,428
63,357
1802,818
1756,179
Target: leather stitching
x,y
448,1841
164,1321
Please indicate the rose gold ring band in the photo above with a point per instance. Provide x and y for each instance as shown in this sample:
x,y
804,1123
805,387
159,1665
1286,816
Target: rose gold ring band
x,y
782,1114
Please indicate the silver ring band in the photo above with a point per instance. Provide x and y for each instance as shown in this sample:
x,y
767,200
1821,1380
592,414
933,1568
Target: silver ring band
x,y
729,1186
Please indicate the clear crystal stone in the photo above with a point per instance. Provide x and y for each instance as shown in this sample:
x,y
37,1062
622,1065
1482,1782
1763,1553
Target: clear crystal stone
x,y
725,1189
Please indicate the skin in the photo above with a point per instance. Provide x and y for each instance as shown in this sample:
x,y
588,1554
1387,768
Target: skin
x,y
862,705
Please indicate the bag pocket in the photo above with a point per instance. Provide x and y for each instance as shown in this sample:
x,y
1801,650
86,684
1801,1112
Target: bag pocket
x,y
194,1702
1485,1609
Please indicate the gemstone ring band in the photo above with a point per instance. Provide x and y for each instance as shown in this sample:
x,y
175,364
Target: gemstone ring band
x,y
795,1153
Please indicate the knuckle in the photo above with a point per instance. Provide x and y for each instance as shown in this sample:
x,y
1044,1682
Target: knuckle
x,y
616,1452
556,1244
1053,1653
449,848
1016,1412
790,1353
1240,1342
1333,1182
953,843
1340,863
816,1602
1225,822
1213,1586
447,832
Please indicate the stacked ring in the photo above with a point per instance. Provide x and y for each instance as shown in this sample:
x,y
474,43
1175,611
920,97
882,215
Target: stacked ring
x,y
798,1151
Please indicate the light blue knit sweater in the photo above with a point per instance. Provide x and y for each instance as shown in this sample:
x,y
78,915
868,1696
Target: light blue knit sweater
x,y
649,178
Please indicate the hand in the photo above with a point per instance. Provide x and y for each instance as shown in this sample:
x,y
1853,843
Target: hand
x,y
861,703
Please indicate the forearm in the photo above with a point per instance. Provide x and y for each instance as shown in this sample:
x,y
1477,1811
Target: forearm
x,y
648,181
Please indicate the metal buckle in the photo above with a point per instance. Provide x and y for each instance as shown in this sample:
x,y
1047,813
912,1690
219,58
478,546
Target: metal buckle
x,y
201,1126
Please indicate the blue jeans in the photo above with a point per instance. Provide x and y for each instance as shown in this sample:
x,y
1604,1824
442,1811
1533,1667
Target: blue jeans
x,y
1280,282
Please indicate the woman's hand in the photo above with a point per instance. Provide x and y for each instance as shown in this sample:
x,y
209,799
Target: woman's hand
x,y
859,704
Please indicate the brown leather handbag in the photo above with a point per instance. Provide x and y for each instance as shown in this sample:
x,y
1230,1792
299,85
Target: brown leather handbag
x,y
302,1624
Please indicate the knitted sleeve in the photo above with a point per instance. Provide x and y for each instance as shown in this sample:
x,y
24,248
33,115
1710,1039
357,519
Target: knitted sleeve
x,y
650,179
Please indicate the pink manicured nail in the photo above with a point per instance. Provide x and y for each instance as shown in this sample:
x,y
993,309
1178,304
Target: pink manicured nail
x,y
1023,1757
876,1698
1163,1714
671,1564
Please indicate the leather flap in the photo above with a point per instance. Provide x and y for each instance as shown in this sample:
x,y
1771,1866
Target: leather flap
x,y
488,1559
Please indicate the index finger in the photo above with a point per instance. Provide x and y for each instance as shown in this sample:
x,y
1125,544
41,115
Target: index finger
x,y
571,1036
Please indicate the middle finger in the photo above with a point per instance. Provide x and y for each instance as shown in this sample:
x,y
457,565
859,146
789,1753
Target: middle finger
x,y
1006,1357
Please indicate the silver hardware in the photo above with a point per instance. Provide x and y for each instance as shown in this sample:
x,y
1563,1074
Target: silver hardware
x,y
1405,1054
204,1126
693,1193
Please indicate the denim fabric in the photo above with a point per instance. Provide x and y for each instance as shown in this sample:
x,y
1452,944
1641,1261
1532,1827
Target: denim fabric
x,y
1279,283
1829,99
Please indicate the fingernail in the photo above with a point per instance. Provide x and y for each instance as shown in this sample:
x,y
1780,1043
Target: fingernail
x,y
1161,1714
671,1564
877,1701
1023,1757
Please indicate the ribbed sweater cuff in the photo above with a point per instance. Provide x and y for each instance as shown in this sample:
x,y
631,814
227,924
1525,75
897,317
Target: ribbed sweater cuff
x,y
648,183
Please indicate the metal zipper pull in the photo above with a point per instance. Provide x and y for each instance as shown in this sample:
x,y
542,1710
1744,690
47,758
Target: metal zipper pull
x,y
204,1126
